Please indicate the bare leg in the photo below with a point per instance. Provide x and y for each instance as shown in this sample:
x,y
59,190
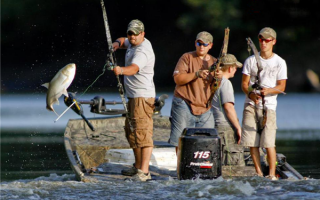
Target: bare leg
x,y
255,154
271,157
137,157
146,153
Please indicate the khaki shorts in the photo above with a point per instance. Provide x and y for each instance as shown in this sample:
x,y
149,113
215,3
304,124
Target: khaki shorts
x,y
250,137
140,112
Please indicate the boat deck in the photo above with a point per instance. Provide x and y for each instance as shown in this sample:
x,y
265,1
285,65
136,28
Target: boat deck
x,y
103,153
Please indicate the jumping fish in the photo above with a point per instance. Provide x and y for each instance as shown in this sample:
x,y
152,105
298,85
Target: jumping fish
x,y
59,84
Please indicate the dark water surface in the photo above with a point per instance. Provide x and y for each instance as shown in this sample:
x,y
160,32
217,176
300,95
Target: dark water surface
x,y
34,164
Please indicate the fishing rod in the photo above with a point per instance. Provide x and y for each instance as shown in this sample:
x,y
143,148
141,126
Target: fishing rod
x,y
256,87
111,62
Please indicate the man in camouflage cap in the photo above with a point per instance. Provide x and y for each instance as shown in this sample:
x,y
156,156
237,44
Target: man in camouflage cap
x,y
192,92
225,116
136,26
273,79
138,75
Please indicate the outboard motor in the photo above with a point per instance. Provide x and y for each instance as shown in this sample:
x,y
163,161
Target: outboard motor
x,y
199,154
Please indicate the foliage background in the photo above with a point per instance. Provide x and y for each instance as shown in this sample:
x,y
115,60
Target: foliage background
x,y
40,37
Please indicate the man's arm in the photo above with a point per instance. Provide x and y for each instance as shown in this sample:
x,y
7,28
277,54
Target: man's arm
x,y
245,88
245,83
182,79
119,43
232,116
279,88
128,70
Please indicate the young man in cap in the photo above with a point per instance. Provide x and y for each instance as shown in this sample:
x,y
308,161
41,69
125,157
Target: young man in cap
x,y
138,75
225,116
192,77
273,81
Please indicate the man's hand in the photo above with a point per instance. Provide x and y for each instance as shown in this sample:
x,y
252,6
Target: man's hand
x,y
266,91
115,46
239,135
203,74
118,70
254,97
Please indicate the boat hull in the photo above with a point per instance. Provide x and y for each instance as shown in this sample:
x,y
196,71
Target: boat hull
x,y
103,153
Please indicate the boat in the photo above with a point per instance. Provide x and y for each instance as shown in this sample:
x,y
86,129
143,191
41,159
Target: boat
x,y
98,150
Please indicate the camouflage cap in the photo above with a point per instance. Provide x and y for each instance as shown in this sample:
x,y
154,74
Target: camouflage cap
x,y
230,59
136,26
205,37
268,32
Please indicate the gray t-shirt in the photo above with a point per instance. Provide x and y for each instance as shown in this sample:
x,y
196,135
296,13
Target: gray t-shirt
x,y
223,95
141,84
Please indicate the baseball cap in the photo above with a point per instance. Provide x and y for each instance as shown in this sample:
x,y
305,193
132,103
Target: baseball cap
x,y
230,59
136,26
268,32
205,37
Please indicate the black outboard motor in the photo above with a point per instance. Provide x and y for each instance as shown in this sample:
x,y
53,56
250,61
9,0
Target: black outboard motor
x,y
199,154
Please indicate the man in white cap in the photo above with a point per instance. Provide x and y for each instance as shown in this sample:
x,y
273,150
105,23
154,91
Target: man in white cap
x,y
138,75
225,116
192,77
273,79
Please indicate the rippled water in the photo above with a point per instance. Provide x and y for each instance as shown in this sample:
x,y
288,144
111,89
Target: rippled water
x,y
64,187
34,164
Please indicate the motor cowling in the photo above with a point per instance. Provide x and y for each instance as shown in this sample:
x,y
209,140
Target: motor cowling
x,y
199,154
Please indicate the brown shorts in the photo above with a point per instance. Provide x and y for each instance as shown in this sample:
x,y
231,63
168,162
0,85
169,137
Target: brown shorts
x,y
140,112
250,137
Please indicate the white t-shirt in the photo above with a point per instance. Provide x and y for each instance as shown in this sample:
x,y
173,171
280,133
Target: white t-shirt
x,y
141,84
223,95
274,69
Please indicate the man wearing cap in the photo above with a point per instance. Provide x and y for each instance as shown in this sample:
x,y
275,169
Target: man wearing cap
x,y
190,102
138,75
273,79
225,116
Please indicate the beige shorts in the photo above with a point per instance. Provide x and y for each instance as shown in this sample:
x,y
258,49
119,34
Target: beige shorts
x,y
140,112
250,137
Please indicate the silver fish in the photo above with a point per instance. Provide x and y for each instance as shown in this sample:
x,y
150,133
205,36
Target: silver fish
x,y
59,84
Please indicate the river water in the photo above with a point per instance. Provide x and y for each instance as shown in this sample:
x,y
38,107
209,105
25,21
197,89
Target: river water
x,y
34,164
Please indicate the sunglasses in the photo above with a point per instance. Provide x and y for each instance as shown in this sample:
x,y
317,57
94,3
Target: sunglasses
x,y
199,44
266,40
132,33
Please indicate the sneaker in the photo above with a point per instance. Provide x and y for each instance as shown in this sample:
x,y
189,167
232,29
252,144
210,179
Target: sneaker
x,y
273,178
140,176
130,172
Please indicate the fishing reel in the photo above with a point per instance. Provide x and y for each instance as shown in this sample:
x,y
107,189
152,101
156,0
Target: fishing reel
x,y
111,61
256,88
159,103
72,102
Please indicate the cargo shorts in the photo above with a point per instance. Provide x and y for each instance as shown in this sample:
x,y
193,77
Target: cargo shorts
x,y
250,137
140,112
